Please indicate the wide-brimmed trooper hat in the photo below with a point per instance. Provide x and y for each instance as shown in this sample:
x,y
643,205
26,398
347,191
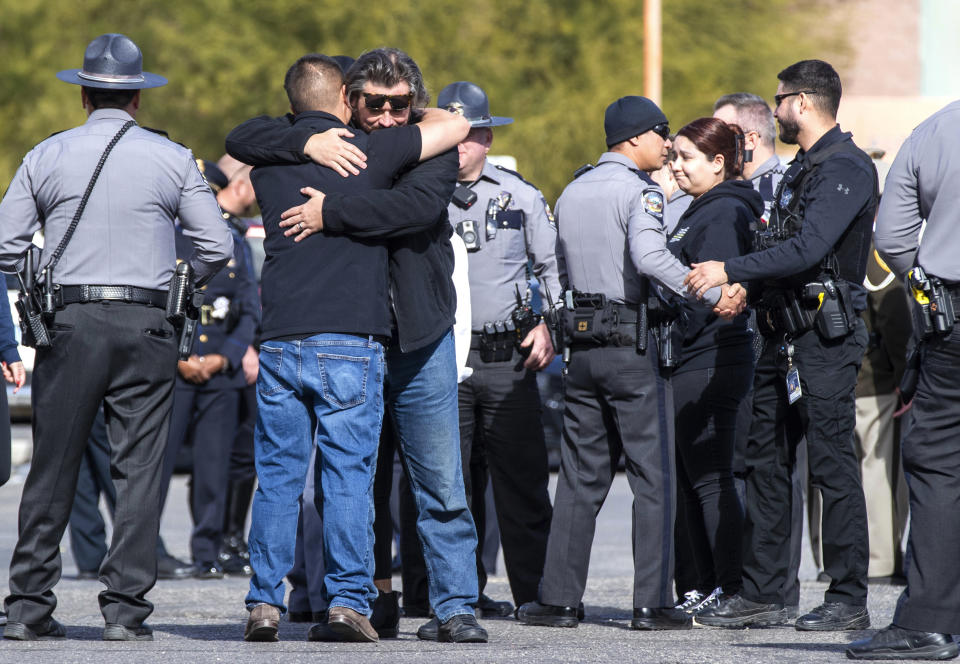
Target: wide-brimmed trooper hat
x,y
469,100
112,61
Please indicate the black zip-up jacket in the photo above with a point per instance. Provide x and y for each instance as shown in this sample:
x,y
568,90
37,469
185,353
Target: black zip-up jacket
x,y
839,201
716,227
329,283
411,216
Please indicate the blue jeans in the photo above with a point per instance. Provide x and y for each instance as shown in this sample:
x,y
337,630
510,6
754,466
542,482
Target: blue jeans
x,y
422,398
331,386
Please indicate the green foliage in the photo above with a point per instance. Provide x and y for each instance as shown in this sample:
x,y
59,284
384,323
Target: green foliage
x,y
553,65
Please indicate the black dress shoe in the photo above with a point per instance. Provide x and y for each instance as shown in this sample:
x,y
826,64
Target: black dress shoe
x,y
462,628
385,616
87,575
429,631
897,643
208,570
3,618
535,613
307,616
834,616
661,618
169,568
491,608
116,632
48,629
736,611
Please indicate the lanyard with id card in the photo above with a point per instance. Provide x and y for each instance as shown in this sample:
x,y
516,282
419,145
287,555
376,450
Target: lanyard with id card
x,y
793,378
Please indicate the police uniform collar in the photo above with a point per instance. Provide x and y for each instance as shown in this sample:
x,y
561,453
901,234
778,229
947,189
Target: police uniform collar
x,y
490,172
769,166
624,160
834,135
109,114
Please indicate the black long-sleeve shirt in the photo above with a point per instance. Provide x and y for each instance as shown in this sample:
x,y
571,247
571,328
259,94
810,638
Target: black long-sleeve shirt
x,y
412,216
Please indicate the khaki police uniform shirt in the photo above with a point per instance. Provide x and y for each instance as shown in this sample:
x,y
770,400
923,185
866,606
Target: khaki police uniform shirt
x,y
612,234
126,233
524,230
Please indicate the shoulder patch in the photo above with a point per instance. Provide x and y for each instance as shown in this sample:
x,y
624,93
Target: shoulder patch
x,y
653,203
548,212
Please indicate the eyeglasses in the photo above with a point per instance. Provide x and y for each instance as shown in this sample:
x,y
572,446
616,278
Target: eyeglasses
x,y
662,130
779,98
376,102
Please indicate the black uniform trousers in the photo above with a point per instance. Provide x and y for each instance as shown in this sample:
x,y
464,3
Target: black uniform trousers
x,y
931,463
123,355
616,402
826,415
209,417
6,439
709,530
500,409
88,535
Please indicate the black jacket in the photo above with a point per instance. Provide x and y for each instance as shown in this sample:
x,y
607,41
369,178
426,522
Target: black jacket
x,y
328,283
412,217
838,199
716,226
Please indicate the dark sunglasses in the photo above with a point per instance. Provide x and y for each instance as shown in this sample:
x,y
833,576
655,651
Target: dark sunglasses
x,y
397,102
779,98
662,130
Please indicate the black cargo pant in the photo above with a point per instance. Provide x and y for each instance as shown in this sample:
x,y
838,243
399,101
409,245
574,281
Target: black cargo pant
x,y
826,415
931,463
500,409
123,355
616,402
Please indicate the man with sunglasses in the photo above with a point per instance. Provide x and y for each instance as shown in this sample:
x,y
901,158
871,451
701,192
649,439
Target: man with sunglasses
x,y
808,273
612,246
326,322
383,87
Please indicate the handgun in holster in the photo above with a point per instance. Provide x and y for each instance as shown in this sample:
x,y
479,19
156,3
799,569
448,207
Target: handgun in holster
x,y
933,311
524,320
34,330
183,308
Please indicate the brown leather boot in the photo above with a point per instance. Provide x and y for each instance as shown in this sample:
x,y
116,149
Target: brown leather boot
x,y
350,625
262,624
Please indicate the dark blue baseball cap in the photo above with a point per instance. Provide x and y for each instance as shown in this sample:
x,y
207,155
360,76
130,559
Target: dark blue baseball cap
x,y
631,116
112,61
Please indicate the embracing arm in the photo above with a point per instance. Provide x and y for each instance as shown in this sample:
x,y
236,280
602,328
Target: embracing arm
x,y
413,205
265,140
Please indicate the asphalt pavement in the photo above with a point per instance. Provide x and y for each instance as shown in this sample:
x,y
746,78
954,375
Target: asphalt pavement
x,y
202,621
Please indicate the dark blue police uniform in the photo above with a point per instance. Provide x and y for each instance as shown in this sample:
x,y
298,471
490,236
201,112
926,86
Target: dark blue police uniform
x,y
207,414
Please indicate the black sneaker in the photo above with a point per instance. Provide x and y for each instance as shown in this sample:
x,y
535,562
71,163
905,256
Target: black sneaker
x,y
116,632
535,613
48,629
834,617
736,611
897,643
462,628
